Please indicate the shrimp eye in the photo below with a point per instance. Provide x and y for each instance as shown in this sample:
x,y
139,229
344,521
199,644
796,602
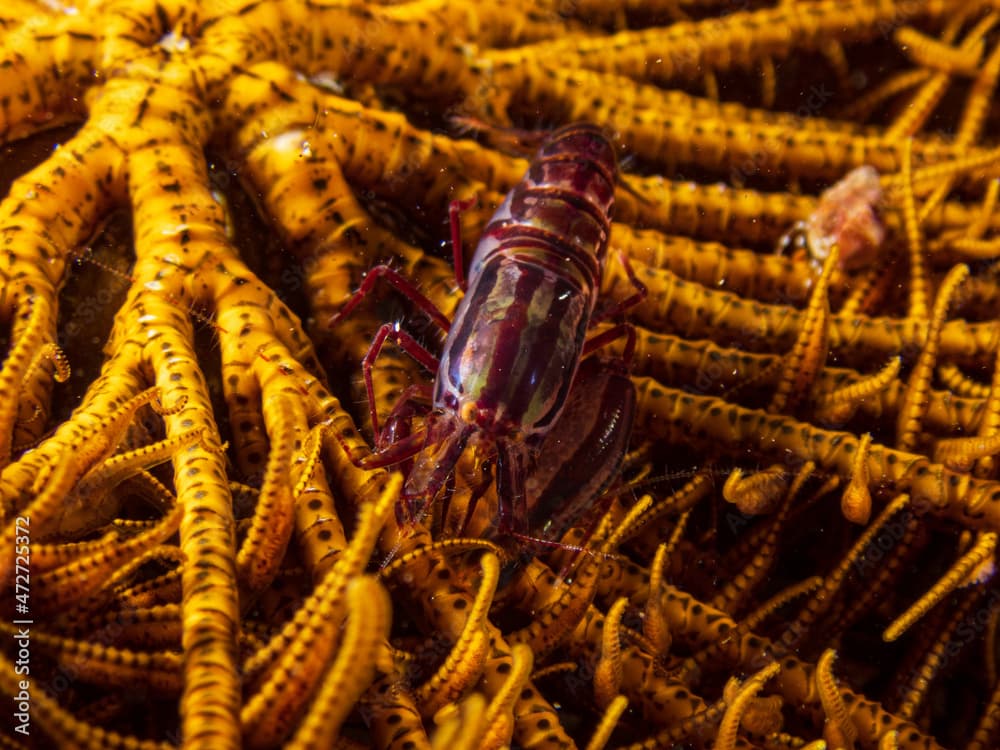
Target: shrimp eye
x,y
468,412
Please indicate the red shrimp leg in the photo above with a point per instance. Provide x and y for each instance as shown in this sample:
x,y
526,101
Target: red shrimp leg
x,y
512,468
399,424
628,302
408,344
604,338
402,285
455,209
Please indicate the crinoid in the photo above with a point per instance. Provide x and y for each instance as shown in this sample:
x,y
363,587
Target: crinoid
x,y
799,552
